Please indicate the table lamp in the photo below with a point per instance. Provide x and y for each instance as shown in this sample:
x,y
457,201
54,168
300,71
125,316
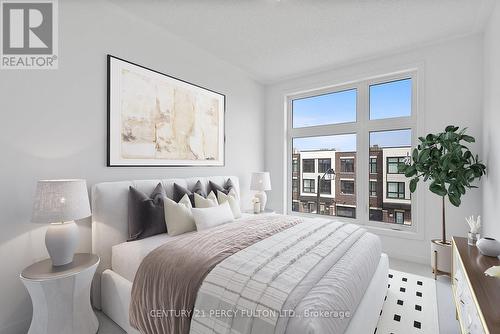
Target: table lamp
x,y
59,203
261,181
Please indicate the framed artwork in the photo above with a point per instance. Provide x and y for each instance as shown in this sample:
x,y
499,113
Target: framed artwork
x,y
157,120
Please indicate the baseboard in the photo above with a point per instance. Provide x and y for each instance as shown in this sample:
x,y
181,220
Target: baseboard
x,y
20,327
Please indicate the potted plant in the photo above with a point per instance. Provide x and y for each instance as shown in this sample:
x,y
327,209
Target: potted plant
x,y
449,166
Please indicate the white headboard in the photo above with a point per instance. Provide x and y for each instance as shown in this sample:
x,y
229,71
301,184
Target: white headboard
x,y
110,215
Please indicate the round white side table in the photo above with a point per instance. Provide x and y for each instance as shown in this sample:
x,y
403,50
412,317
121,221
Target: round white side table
x,y
61,296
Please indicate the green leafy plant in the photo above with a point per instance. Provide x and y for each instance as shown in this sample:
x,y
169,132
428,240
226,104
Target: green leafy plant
x,y
447,163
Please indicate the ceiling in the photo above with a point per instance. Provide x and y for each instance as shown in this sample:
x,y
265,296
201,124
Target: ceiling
x,y
273,40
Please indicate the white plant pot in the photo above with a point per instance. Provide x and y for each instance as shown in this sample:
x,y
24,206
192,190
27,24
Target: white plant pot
x,y
442,254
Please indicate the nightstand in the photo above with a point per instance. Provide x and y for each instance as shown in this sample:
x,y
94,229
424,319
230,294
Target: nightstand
x,y
61,296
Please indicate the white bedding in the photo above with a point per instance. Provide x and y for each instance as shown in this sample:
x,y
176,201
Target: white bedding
x,y
127,256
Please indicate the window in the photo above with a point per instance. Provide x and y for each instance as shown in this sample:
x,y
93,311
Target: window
x,y
393,147
393,164
323,151
347,165
322,132
331,108
326,187
295,186
324,165
308,165
308,186
295,166
295,206
373,165
344,211
373,188
396,190
399,217
347,187
390,99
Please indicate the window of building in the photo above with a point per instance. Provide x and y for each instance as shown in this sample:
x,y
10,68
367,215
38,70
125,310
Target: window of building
x,y
396,190
373,165
399,217
373,188
393,164
308,186
345,211
295,206
326,187
295,165
323,125
347,165
295,186
308,165
324,165
347,187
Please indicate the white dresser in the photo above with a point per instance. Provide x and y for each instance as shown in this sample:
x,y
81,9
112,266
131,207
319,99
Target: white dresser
x,y
477,297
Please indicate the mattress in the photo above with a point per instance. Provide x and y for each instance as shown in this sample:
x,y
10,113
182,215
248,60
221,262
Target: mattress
x,y
127,256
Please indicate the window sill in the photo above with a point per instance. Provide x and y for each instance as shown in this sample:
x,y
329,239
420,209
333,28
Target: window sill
x,y
410,233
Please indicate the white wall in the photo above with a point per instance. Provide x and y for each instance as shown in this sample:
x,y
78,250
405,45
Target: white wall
x,y
54,126
491,117
452,74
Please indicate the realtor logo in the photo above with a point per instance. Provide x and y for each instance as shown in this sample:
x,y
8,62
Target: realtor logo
x,y
29,34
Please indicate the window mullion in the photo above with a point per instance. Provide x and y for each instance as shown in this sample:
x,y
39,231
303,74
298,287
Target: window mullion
x,y
362,148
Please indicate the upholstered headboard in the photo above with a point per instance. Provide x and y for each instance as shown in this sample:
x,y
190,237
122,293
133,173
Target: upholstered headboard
x,y
110,212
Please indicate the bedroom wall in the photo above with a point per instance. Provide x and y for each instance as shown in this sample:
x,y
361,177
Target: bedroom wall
x,y
491,117
54,126
452,94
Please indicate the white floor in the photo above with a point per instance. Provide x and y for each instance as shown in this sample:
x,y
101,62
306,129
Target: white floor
x,y
446,309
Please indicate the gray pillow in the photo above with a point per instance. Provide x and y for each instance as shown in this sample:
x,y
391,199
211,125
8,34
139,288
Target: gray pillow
x,y
146,216
215,187
180,191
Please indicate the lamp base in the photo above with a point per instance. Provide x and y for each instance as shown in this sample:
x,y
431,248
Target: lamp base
x,y
262,196
61,241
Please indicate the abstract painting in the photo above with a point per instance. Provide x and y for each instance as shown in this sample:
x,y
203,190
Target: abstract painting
x,y
157,120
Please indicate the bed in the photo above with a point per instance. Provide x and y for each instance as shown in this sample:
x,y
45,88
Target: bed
x,y
121,260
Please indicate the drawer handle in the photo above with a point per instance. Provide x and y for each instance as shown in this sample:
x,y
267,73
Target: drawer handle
x,y
461,301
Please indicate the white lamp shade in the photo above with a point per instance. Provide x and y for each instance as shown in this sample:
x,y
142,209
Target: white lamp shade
x,y
261,181
58,201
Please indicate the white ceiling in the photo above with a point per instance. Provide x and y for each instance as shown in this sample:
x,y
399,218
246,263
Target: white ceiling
x,y
273,40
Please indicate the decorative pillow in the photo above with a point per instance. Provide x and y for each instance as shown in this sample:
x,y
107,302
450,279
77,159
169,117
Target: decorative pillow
x,y
202,202
146,216
178,216
180,191
215,187
206,218
232,200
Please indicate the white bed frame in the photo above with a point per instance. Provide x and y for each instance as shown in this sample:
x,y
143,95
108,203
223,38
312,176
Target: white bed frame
x,y
111,292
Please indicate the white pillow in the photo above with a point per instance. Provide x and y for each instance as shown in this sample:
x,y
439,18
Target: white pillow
x,y
202,202
206,218
178,216
232,198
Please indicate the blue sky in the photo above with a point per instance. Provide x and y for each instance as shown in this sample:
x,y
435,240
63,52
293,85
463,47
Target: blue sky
x,y
392,99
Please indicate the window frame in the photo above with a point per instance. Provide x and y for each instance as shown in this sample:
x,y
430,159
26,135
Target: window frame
x,y
344,164
313,164
313,186
370,191
320,171
361,128
400,161
373,164
397,192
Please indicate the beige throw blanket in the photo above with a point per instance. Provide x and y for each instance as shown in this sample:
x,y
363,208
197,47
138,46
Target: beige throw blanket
x,y
168,279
